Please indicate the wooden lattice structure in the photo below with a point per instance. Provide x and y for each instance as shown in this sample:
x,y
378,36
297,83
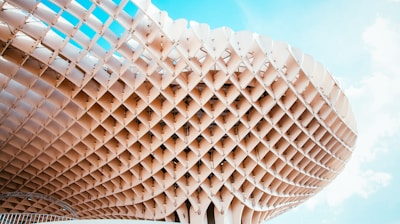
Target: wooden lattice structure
x,y
122,112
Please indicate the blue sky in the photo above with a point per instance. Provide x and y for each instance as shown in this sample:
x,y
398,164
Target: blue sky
x,y
359,42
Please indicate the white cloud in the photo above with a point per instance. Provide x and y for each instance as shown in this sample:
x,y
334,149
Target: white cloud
x,y
382,38
353,181
375,103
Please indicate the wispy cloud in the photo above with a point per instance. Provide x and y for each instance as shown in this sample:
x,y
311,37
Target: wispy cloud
x,y
375,103
374,98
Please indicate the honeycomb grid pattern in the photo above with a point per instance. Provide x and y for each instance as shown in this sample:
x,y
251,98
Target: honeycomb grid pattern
x,y
122,112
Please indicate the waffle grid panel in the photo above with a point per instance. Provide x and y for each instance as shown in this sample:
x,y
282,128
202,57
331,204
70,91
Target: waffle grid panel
x,y
142,117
